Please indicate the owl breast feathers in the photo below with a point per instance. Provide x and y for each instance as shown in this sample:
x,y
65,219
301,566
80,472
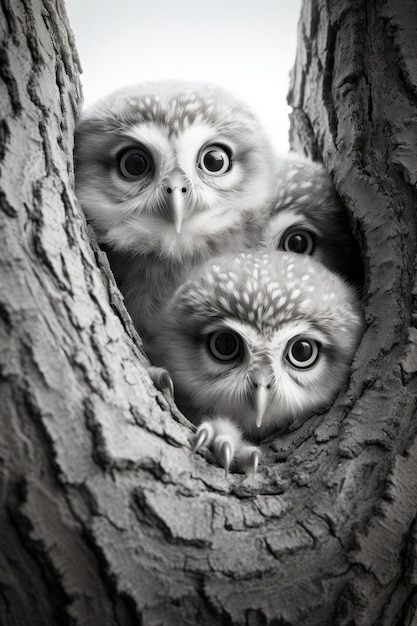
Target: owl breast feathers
x,y
261,338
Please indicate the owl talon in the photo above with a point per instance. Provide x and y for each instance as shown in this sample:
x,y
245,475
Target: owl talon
x,y
166,383
162,380
226,456
254,461
203,437
224,438
248,457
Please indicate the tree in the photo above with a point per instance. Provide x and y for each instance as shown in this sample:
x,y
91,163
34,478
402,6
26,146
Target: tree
x,y
107,517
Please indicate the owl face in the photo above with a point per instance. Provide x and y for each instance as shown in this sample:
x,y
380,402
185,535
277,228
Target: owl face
x,y
163,168
260,338
307,217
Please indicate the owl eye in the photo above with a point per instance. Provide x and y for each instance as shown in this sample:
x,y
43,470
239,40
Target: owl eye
x,y
298,240
134,163
225,345
302,353
215,160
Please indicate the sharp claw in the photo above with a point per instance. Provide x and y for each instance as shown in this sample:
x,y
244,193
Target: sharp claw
x,y
226,456
161,379
166,383
254,461
202,436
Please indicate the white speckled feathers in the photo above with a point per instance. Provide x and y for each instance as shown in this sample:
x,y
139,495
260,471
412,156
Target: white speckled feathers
x,y
267,302
165,211
173,120
266,289
305,200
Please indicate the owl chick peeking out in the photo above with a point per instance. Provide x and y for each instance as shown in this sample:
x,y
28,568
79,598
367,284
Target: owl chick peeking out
x,y
253,341
170,174
307,217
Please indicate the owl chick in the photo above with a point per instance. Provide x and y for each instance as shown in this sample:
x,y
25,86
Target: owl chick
x,y
307,217
170,174
254,341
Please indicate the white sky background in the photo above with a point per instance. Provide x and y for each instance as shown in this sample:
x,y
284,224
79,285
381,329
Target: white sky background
x,y
246,46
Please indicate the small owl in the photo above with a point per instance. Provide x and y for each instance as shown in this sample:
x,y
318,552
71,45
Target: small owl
x,y
170,174
307,217
254,341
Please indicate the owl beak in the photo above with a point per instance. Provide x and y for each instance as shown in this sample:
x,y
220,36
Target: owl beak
x,y
176,205
261,395
261,401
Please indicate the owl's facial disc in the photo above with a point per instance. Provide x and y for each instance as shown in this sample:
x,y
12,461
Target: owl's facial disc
x,y
226,346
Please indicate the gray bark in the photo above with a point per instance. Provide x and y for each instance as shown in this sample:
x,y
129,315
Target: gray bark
x,y
107,516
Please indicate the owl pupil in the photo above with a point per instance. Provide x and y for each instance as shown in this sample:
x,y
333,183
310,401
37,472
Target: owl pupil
x,y
213,161
226,344
136,164
302,351
297,243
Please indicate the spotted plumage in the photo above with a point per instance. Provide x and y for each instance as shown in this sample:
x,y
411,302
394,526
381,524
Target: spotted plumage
x,y
254,341
170,174
307,216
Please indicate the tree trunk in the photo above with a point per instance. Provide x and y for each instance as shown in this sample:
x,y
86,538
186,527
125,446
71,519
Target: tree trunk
x,y
108,518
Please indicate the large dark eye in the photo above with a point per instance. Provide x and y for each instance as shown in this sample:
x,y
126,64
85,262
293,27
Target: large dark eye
x,y
302,353
225,345
215,160
298,240
134,163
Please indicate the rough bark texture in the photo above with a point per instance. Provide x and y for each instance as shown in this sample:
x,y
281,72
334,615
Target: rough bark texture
x,y
107,517
354,99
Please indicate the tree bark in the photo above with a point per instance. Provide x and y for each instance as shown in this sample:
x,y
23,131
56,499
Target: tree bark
x,y
108,518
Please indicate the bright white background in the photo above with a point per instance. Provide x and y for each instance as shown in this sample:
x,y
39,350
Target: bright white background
x,y
246,46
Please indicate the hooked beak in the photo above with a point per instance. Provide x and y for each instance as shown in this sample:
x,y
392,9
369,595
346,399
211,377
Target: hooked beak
x,y
261,395
261,401
176,198
176,204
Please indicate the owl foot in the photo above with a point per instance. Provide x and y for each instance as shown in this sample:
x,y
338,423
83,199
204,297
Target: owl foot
x,y
248,458
161,379
225,440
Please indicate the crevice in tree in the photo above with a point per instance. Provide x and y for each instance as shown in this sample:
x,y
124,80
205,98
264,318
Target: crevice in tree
x,y
8,78
124,609
328,86
407,615
4,138
9,19
38,556
6,207
28,399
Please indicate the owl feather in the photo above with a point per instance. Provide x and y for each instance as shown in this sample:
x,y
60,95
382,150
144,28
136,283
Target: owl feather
x,y
170,174
259,340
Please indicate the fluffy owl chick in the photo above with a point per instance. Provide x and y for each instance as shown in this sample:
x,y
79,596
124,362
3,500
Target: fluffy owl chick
x,y
253,341
307,217
170,174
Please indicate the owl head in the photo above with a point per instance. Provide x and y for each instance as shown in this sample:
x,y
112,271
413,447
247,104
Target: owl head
x,y
308,217
171,167
262,338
